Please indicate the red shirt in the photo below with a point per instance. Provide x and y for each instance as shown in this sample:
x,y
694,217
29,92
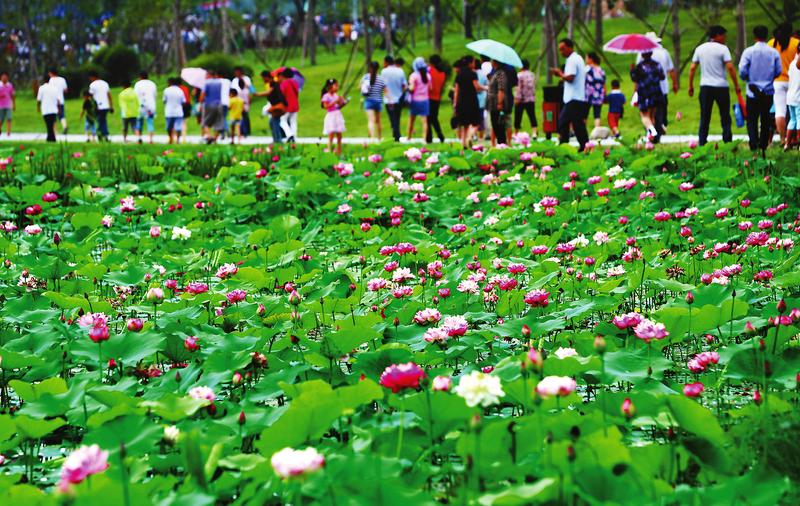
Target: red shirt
x,y
437,83
290,89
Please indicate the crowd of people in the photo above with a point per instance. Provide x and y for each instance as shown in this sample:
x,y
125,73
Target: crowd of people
x,y
490,99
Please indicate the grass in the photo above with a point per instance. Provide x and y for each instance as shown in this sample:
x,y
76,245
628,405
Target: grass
x,y
26,118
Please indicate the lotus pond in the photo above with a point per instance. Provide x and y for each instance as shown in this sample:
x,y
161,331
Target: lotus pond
x,y
403,327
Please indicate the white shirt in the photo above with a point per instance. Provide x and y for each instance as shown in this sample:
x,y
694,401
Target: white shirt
x,y
225,100
243,92
173,102
48,95
712,57
793,94
663,57
146,90
99,90
60,84
575,90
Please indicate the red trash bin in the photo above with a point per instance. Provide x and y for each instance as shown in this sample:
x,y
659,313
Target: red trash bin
x,y
551,107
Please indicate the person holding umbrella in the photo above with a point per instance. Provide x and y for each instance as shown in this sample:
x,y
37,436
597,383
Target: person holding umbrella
x,y
648,75
497,102
575,106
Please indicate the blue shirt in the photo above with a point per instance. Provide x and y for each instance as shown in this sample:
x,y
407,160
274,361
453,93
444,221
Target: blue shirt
x,y
616,102
760,64
213,91
395,80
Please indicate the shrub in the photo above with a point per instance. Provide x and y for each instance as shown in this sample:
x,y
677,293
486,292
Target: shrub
x,y
220,62
119,63
78,78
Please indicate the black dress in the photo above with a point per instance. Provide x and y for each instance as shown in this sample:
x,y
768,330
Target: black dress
x,y
467,111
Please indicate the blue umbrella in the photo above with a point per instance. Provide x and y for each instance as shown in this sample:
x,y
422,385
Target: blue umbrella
x,y
496,51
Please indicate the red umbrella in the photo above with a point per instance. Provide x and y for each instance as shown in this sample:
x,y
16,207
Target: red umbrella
x,y
630,43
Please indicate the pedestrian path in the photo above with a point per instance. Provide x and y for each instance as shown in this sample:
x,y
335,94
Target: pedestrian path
x,y
260,140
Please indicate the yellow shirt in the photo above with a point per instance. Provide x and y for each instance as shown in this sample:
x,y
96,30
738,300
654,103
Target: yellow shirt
x,y
235,109
787,56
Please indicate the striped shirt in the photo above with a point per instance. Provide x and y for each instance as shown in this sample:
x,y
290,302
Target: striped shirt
x,y
375,90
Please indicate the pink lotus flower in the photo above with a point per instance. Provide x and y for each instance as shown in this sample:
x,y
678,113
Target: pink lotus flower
x,y
155,232
442,383
555,386
693,390
686,186
398,377
196,287
375,158
662,216
127,205
50,197
686,155
455,326
99,333
539,250
626,321
190,344
548,202
154,295
693,144
227,270
135,324
202,394
722,212
236,296
458,228
427,316
648,330
290,463
413,154
537,298
81,463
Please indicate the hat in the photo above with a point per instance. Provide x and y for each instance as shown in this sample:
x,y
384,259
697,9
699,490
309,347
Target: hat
x,y
653,36
419,63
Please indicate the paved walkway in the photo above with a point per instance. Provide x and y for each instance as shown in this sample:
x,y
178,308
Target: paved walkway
x,y
256,140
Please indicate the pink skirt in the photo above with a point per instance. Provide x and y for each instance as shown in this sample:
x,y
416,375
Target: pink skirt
x,y
334,123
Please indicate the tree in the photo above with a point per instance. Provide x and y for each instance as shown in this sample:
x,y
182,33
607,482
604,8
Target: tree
x,y
741,35
466,18
387,26
177,39
598,23
309,34
366,34
676,36
437,26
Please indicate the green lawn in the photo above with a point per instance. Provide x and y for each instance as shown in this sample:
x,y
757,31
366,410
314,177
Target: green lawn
x,y
333,65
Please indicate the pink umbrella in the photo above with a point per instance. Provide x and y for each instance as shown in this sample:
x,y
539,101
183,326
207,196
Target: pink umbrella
x,y
630,43
195,76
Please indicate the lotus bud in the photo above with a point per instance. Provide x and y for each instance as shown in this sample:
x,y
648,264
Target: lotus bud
x,y
155,295
628,409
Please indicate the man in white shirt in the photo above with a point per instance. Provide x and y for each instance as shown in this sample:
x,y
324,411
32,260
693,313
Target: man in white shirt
x,y
48,102
575,107
61,85
396,84
101,93
225,99
173,109
243,85
663,57
714,59
146,90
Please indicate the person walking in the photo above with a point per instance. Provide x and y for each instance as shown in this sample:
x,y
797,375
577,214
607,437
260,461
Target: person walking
x,y
419,85
438,72
235,114
101,93
89,116
290,91
211,98
468,115
372,89
47,102
759,66
573,113
276,105
647,75
595,86
793,104
243,86
128,108
147,91
174,100
714,59
395,80
8,102
786,44
525,98
498,103
187,109
61,85
663,57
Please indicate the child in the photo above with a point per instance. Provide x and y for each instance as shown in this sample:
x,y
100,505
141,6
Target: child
x,y
793,102
89,113
334,120
616,104
129,109
235,112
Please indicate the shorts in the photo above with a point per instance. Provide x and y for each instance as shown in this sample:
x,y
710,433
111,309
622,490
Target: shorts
x,y
213,117
146,119
596,110
373,105
235,123
419,108
613,120
174,125
128,123
88,126
61,111
781,88
5,115
794,117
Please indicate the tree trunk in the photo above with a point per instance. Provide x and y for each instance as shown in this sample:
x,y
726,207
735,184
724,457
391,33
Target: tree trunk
x,y
30,37
571,22
598,23
466,18
226,43
549,39
676,37
387,25
366,35
437,26
741,35
177,40
309,32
